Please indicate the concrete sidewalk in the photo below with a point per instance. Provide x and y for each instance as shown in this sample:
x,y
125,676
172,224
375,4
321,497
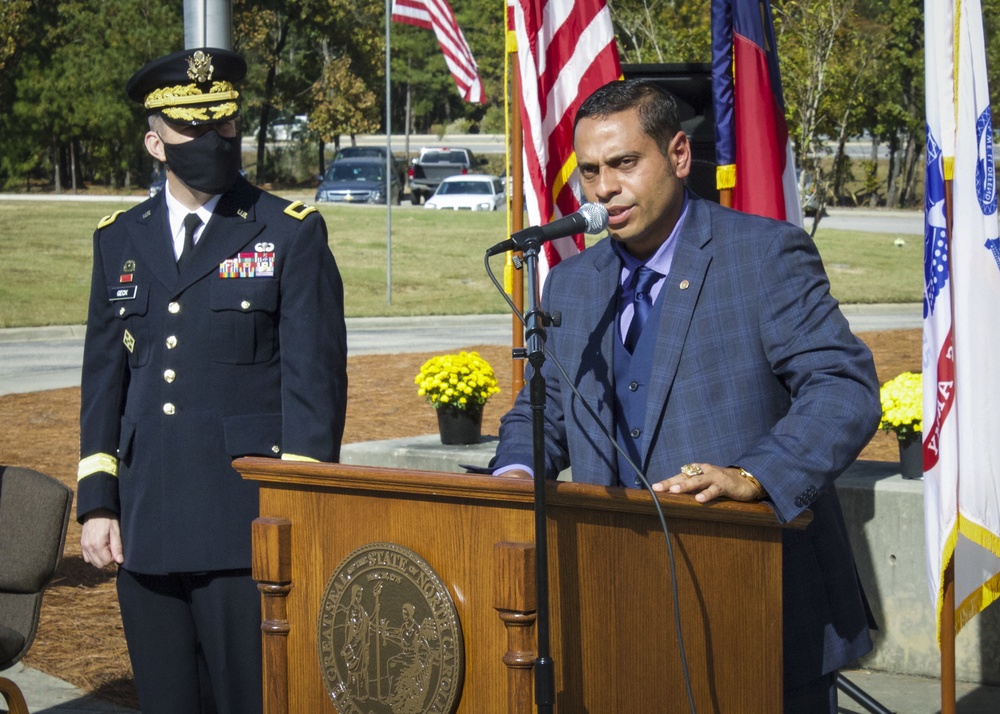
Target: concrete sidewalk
x,y
45,694
33,359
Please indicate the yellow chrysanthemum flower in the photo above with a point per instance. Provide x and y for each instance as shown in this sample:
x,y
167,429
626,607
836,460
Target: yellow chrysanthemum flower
x,y
460,381
902,405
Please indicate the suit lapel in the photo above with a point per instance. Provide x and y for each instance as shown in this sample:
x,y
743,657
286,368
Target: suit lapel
x,y
150,234
681,294
604,328
232,227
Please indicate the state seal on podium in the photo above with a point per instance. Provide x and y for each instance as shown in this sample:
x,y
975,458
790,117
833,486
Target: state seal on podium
x,y
389,638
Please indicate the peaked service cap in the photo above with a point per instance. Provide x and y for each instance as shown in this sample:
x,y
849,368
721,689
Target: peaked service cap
x,y
194,86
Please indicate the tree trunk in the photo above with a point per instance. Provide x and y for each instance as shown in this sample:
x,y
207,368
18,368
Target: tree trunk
x,y
265,109
57,165
910,162
72,165
872,178
892,192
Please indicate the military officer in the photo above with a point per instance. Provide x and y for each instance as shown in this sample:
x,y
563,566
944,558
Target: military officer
x,y
215,330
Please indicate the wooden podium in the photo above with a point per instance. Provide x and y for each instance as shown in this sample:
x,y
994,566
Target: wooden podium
x,y
613,637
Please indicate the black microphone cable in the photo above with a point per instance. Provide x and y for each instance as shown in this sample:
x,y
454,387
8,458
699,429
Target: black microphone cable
x,y
639,473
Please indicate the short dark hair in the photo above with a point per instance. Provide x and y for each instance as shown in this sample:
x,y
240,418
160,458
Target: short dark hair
x,y
657,108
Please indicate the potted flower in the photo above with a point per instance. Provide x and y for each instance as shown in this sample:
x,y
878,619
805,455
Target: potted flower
x,y
457,386
902,414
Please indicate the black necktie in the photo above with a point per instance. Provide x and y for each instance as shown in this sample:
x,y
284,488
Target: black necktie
x,y
191,223
642,301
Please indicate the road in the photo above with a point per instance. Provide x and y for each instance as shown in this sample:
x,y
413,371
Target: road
x,y
37,358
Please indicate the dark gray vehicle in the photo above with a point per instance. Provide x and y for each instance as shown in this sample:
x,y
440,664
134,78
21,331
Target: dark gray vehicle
x,y
376,152
357,181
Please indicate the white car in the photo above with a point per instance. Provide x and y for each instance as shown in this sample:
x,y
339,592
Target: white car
x,y
469,192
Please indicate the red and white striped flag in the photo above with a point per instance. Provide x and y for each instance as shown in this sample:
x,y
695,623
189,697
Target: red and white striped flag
x,y
565,50
437,15
961,310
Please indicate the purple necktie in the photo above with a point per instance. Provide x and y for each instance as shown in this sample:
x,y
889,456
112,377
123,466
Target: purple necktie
x,y
642,301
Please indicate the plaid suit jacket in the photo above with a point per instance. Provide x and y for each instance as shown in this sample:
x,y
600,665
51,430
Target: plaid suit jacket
x,y
755,365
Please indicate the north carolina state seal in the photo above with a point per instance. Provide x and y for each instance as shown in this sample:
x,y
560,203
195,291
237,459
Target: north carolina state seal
x,y
389,638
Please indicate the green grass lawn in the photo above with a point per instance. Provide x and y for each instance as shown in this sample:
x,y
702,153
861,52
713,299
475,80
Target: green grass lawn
x,y
436,262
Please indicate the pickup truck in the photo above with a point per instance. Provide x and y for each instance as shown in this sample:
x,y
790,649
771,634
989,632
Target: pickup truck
x,y
433,165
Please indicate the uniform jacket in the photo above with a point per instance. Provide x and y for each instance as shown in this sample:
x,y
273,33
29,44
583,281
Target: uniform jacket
x,y
754,365
185,370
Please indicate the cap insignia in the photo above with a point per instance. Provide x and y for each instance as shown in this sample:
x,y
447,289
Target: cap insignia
x,y
200,67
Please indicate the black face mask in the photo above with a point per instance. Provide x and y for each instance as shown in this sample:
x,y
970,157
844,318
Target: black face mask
x,y
210,163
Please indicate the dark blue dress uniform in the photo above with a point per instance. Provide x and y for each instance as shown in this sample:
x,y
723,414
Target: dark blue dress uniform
x,y
186,370
239,349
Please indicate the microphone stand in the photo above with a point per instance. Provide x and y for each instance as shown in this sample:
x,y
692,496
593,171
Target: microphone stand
x,y
534,332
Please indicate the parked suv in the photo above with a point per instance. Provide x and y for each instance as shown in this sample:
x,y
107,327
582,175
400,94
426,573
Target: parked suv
x,y
373,152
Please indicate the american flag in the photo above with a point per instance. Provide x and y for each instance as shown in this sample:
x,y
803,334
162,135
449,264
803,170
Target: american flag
x,y
752,148
565,50
437,15
961,376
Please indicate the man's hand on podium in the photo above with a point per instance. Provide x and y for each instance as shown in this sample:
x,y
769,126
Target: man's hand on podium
x,y
707,482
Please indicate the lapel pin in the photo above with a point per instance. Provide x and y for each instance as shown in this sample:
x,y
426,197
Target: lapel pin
x,y
685,285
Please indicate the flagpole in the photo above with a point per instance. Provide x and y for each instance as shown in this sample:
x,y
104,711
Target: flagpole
x,y
388,159
949,696
948,692
516,183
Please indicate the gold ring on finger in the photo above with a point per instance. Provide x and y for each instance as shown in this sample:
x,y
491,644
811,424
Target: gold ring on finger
x,y
690,470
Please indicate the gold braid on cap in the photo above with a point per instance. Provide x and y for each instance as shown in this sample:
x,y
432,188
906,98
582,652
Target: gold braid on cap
x,y
185,94
174,102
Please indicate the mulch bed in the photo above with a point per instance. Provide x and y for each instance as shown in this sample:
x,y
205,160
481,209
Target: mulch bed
x,y
80,636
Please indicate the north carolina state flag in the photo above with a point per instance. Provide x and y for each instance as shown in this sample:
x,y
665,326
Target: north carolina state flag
x,y
752,148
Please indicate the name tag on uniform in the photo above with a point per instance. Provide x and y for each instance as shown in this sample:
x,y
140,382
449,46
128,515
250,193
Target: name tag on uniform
x,y
123,292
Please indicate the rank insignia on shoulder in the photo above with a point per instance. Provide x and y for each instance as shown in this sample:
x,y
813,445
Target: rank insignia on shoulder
x,y
108,220
299,210
128,341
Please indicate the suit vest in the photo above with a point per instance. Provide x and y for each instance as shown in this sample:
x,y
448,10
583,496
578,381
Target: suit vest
x,y
631,388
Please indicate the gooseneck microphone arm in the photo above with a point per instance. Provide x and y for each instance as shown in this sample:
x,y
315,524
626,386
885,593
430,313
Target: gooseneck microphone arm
x,y
590,218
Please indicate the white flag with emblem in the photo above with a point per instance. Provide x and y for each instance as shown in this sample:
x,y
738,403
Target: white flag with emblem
x,y
961,315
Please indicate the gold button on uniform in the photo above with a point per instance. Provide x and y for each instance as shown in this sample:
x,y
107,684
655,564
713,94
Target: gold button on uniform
x,y
245,304
170,375
121,311
276,448
169,409
171,342
174,308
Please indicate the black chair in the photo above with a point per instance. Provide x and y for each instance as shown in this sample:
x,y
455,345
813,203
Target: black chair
x,y
34,515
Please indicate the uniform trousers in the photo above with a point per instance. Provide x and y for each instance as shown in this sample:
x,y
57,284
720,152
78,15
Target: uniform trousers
x,y
194,641
818,696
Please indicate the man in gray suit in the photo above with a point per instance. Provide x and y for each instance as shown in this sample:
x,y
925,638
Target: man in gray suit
x,y
708,343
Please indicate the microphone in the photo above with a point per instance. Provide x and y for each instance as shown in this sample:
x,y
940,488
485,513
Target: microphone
x,y
591,218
